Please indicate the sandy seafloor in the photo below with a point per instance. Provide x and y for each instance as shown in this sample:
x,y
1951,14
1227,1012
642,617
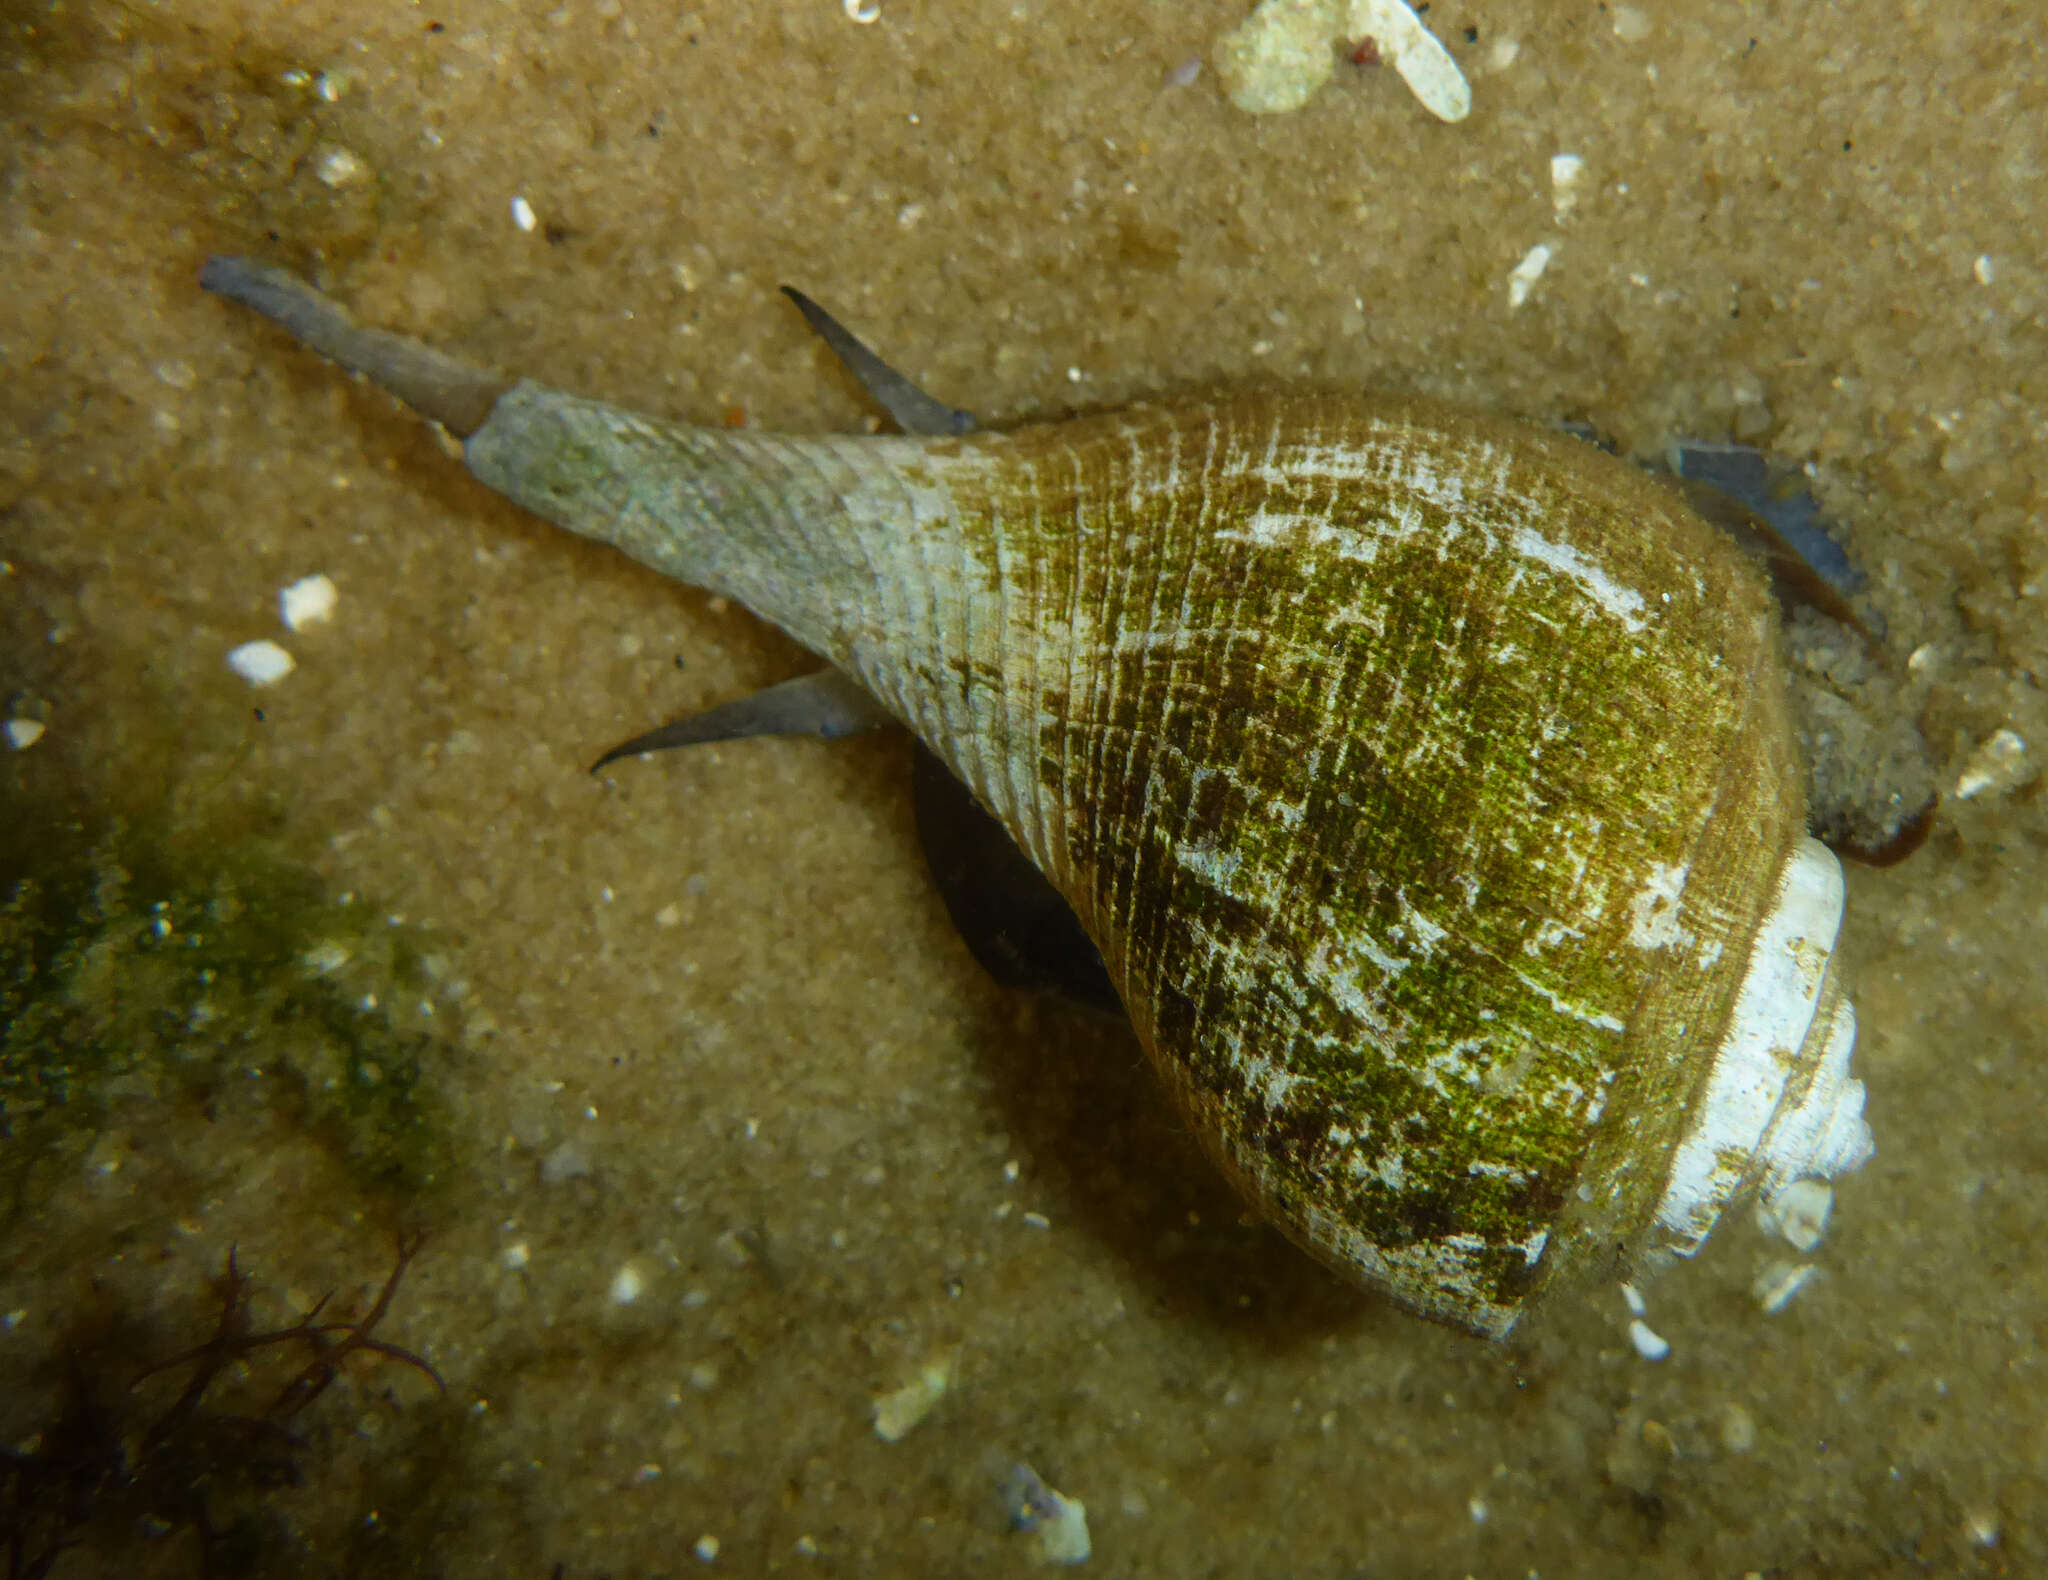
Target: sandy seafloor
x,y
716,989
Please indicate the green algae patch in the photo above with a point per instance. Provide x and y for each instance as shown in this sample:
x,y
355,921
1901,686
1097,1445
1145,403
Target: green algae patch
x,y
139,969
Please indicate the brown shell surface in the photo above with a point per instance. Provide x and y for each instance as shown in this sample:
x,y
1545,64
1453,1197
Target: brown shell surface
x,y
1422,779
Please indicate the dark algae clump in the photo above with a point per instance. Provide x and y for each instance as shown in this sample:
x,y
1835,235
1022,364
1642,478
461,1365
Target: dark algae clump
x,y
185,1448
136,970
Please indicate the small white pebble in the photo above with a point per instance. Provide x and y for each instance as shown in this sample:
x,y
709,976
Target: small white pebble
x,y
1185,73
1738,1429
703,1377
1631,24
1476,1507
323,959
1037,1220
1999,764
1984,269
1058,1522
1632,1298
627,1285
1980,1525
1013,1171
1652,1346
1503,53
522,214
23,733
1777,1284
896,1413
858,11
1797,1212
1523,277
707,1547
340,168
1565,170
668,915
515,1256
261,663
308,601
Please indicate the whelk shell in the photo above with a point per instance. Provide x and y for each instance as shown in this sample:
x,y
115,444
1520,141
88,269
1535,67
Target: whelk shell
x,y
1425,780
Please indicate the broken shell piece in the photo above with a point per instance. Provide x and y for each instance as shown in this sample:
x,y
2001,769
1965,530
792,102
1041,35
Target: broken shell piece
x,y
1797,1212
1523,276
307,601
1997,766
896,1413
23,733
1059,1523
261,663
1565,170
1424,64
1649,1343
1281,54
1778,1283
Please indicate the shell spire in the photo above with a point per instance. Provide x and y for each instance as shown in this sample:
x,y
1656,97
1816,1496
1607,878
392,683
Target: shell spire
x,y
1424,780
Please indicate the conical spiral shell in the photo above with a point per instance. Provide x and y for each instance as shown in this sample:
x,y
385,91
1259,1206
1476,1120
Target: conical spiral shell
x,y
1424,780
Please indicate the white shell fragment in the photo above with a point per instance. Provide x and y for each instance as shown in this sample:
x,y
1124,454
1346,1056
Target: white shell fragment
x,y
1651,1345
1424,64
1798,1213
1058,1522
1997,766
22,733
1281,55
308,601
261,663
861,11
1565,170
896,1413
523,215
1778,1283
340,168
1523,276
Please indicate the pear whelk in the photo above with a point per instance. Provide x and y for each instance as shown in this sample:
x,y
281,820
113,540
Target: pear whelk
x,y
1424,780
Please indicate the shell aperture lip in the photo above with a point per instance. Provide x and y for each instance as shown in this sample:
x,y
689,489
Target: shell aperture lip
x,y
1779,1102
